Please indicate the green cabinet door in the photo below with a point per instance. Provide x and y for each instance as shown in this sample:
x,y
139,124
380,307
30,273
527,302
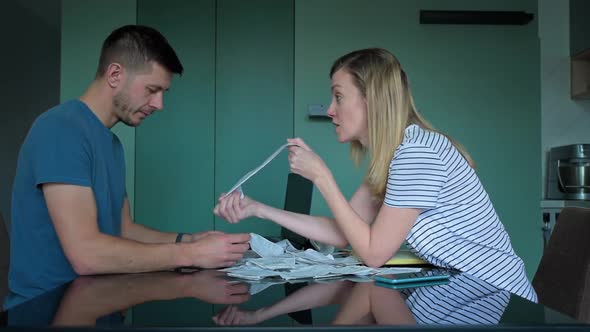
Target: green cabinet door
x,y
254,101
174,170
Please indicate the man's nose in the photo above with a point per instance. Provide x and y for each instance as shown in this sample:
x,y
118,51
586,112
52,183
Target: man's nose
x,y
157,101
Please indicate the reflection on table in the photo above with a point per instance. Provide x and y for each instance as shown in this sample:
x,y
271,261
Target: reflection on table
x,y
465,300
209,298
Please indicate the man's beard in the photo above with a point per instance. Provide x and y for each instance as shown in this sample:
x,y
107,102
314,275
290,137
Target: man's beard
x,y
123,110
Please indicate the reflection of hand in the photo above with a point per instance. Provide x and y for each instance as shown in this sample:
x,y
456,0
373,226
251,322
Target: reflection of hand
x,y
232,315
304,161
210,286
219,250
233,208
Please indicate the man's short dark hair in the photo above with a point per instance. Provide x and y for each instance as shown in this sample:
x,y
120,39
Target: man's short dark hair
x,y
134,46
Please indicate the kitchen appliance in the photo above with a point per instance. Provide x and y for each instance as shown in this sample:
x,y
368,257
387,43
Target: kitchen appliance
x,y
568,172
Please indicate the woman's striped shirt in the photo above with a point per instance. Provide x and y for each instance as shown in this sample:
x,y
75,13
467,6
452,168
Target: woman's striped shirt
x,y
458,227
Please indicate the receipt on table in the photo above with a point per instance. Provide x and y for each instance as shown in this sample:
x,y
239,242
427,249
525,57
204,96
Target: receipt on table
x,y
255,170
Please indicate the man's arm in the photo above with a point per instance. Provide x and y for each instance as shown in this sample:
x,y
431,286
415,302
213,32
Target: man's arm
x,y
132,231
74,215
91,297
137,232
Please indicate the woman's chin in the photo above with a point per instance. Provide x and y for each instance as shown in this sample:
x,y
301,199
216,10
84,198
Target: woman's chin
x,y
342,138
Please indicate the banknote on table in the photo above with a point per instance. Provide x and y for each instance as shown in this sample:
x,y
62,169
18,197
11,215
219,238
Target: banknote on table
x,y
282,261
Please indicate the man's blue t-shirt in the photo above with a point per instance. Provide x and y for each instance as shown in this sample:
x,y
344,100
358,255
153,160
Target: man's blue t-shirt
x,y
67,144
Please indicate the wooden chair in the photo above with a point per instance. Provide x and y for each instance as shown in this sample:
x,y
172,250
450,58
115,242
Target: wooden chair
x,y
562,280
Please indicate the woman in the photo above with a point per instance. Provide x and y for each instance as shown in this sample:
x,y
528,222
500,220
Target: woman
x,y
420,185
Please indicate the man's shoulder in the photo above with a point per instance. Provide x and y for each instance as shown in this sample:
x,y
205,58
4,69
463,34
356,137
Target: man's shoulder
x,y
66,110
60,117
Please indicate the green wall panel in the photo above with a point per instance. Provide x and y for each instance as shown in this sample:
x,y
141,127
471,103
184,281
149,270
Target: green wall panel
x,y
175,146
254,101
85,25
478,83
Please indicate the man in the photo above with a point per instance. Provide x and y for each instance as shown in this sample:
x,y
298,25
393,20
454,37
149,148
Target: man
x,y
70,210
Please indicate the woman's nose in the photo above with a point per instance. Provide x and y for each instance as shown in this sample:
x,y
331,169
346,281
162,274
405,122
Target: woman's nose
x,y
331,112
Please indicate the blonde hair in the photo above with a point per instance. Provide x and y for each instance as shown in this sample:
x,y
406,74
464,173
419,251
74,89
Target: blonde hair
x,y
390,109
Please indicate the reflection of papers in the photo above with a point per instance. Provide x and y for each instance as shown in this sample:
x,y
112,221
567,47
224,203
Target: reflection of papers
x,y
282,260
254,171
257,287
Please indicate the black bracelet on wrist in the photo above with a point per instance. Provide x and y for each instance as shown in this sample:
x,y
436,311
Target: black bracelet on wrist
x,y
179,237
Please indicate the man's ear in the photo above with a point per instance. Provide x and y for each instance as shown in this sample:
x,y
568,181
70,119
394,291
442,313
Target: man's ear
x,y
115,74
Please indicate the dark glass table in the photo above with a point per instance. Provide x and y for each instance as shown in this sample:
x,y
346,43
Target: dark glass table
x,y
204,300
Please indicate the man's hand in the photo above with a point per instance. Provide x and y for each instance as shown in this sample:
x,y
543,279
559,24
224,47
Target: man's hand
x,y
218,250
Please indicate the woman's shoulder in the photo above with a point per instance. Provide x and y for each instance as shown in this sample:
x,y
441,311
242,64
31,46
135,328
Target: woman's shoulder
x,y
416,137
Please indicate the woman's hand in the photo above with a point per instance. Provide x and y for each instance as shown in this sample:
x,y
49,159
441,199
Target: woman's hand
x,y
304,161
233,208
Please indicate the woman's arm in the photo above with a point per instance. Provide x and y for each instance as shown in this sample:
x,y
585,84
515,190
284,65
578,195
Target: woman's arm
x,y
312,296
322,229
356,308
373,243
389,307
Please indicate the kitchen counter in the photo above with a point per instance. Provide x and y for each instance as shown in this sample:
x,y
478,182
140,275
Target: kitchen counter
x,y
560,204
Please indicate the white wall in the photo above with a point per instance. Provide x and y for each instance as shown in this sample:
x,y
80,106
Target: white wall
x,y
563,120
